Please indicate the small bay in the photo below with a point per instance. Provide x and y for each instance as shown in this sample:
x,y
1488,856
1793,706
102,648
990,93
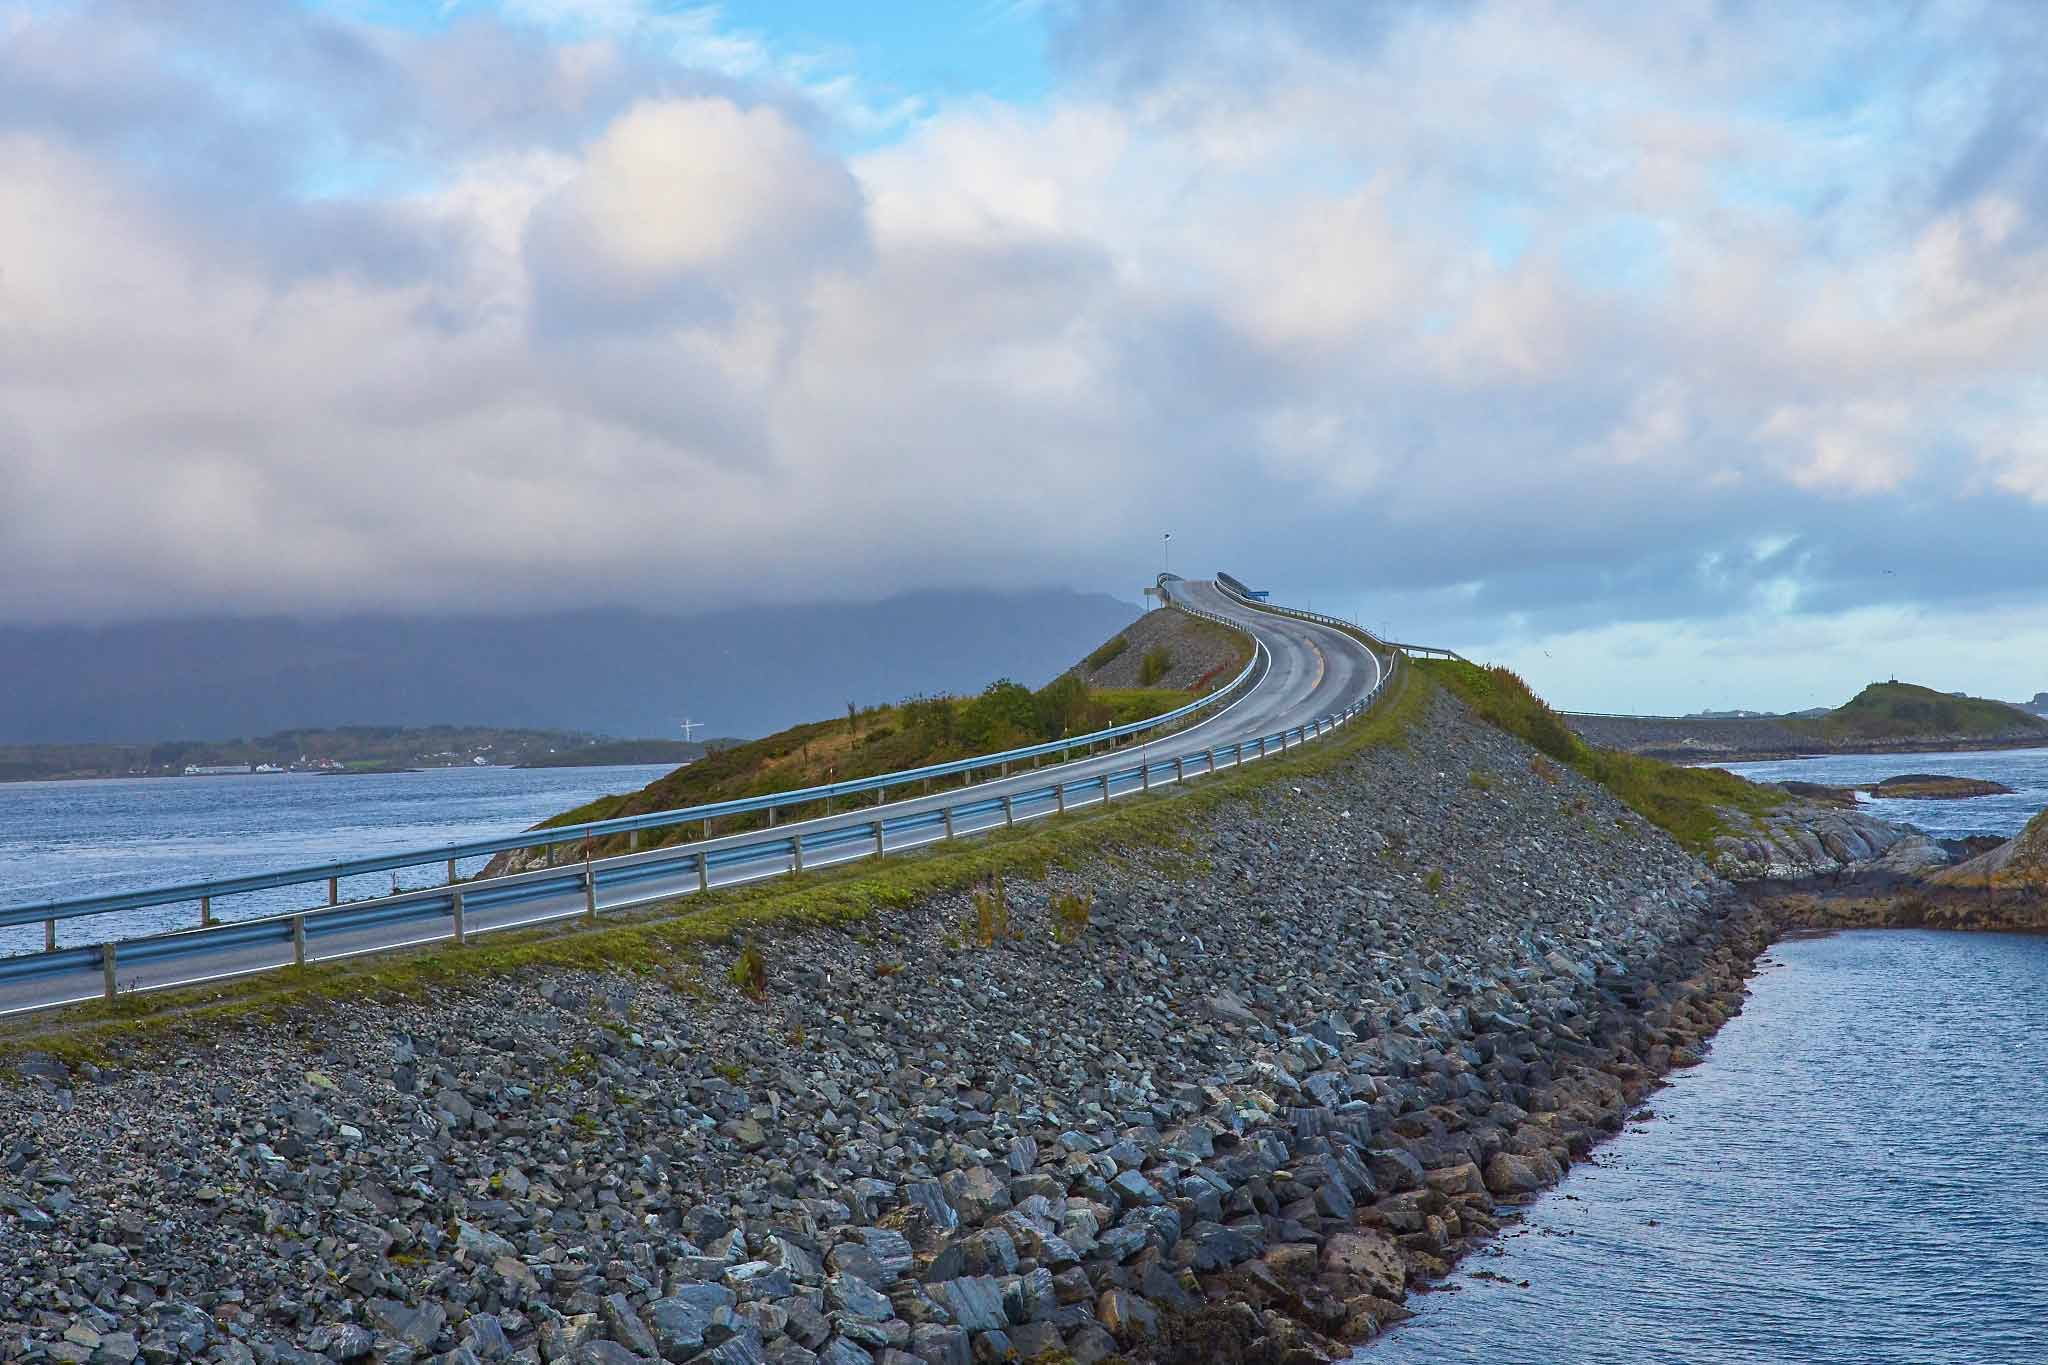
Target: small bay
x,y
1852,1176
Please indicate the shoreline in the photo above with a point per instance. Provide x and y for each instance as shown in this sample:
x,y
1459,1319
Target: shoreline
x,y
1244,1088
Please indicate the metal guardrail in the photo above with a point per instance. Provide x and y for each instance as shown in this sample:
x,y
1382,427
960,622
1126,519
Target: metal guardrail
x,y
444,914
1235,591
48,913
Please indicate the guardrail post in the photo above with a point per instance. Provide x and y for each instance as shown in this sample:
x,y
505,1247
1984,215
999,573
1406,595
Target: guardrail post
x,y
451,872
828,803
589,892
1180,768
1144,773
1212,760
107,951
707,828
633,841
881,795
457,910
334,891
49,936
298,940
1262,746
876,826
703,871
1009,815
205,912
948,814
1059,792
796,854
771,817
1105,789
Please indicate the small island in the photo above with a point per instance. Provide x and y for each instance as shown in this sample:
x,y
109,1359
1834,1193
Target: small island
x,y
1935,787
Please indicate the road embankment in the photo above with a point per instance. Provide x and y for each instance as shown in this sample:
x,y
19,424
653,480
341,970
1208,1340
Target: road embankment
x,y
1223,1094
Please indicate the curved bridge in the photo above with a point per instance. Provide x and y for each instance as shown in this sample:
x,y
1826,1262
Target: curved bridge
x,y
1308,675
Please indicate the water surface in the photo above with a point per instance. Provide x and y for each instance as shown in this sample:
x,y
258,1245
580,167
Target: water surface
x,y
60,840
2024,770
1855,1175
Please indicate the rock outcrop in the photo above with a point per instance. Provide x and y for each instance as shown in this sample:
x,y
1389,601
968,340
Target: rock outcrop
x,y
1806,839
2018,866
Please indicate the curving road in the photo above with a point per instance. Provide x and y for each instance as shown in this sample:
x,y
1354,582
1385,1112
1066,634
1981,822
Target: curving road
x,y
1314,671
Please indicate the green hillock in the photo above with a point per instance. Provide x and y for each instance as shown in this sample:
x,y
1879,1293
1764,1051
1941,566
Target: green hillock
x,y
868,742
1689,804
1891,711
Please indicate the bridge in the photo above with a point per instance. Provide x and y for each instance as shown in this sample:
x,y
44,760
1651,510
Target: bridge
x,y
1308,676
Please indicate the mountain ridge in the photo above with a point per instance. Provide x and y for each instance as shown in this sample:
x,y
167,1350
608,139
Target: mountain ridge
x,y
618,671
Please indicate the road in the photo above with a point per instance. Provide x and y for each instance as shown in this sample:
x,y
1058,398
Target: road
x,y
1315,671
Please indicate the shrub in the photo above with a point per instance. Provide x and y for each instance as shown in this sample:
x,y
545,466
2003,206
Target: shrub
x,y
991,912
749,972
1156,664
1003,716
1069,913
1435,881
1107,651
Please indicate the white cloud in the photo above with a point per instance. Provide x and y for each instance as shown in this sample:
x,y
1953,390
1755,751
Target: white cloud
x,y
1548,302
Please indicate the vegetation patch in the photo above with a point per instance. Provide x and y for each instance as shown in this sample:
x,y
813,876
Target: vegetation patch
x,y
1156,664
1106,651
1903,711
1689,804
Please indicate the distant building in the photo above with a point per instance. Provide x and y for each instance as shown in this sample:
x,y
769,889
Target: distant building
x,y
216,769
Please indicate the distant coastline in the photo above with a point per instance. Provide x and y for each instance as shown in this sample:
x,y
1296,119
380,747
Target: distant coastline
x,y
354,749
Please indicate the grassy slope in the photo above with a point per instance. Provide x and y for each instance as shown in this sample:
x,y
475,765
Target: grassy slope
x,y
877,741
1686,803
1902,711
666,942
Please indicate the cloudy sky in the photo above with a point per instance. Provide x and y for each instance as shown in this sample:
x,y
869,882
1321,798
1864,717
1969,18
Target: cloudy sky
x,y
1689,354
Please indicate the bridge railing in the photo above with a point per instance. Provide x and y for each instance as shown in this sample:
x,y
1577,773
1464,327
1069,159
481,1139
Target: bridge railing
x,y
458,912
1234,590
205,893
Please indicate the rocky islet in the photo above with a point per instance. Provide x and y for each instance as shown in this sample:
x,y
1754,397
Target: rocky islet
x,y
1235,1116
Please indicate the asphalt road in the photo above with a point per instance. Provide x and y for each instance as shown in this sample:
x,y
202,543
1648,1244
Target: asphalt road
x,y
1314,671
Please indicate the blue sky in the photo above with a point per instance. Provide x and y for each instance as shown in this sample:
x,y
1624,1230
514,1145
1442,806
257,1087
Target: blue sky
x,y
1680,355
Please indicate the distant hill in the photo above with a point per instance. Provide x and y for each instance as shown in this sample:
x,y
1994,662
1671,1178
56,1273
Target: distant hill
x,y
1883,717
1888,712
740,671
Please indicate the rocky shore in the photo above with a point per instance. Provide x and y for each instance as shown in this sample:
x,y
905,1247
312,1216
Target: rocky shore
x,y
1225,1102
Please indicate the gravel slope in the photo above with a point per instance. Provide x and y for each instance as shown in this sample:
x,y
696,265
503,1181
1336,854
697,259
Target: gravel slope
x,y
1277,1077
1197,648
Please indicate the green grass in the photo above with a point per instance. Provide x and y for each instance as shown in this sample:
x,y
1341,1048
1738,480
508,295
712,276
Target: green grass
x,y
1686,803
1903,711
1107,651
666,943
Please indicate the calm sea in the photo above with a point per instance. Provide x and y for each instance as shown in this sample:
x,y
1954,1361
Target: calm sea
x,y
2024,770
64,839
1853,1176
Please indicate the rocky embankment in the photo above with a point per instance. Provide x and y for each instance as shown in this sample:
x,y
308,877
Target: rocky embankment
x,y
1232,1113
1695,739
1733,739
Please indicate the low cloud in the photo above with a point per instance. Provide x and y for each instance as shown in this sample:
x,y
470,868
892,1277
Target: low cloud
x,y
1523,310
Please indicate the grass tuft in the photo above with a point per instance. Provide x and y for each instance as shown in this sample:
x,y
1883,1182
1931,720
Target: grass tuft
x,y
749,971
